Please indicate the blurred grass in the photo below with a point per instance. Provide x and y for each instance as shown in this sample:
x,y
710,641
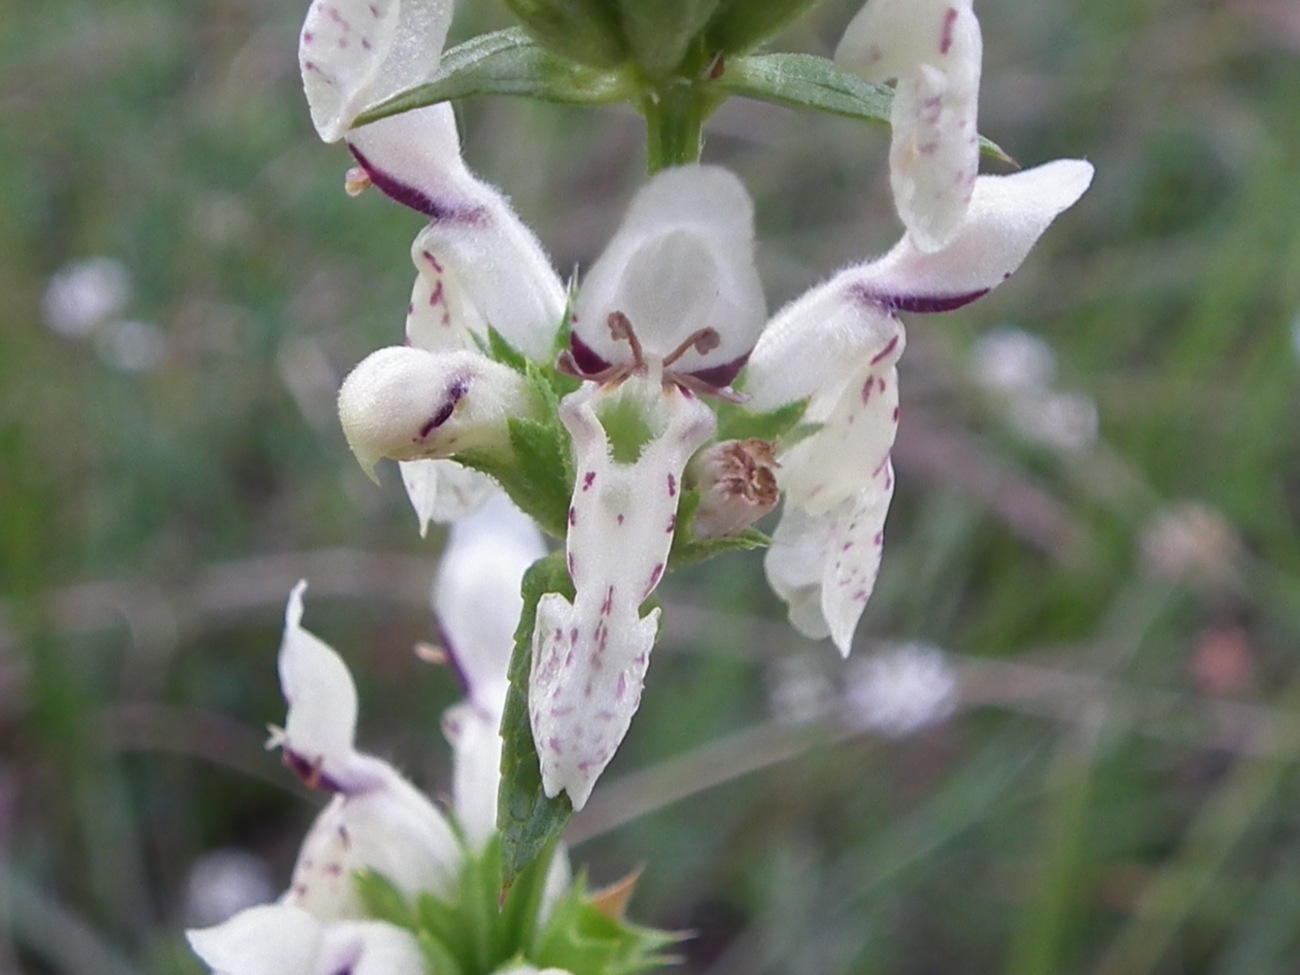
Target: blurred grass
x,y
1117,793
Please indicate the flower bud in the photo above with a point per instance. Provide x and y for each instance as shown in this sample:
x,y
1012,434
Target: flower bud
x,y
737,482
409,404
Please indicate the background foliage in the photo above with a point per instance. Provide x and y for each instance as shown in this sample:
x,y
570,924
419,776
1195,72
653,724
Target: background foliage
x,y
1117,792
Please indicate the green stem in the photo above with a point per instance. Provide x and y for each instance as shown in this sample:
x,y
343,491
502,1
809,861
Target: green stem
x,y
674,118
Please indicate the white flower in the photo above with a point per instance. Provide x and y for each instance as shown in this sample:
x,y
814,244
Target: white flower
x,y
671,309
409,404
377,820
837,346
900,690
477,599
282,939
477,264
933,48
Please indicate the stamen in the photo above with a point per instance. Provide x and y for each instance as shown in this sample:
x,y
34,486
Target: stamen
x,y
566,364
705,340
621,328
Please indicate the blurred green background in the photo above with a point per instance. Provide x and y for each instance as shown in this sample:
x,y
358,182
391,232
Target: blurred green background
x,y
1099,488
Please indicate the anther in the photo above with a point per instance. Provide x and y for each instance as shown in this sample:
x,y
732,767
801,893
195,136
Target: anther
x,y
703,341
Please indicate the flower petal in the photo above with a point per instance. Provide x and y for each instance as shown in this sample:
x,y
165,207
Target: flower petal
x,y
589,667
321,724
1007,216
682,260
273,939
934,49
479,267
589,657
824,566
408,404
356,53
371,948
476,595
390,828
859,419
812,344
443,491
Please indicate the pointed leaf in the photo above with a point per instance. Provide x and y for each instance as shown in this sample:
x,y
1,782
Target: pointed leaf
x,y
506,62
807,81
527,819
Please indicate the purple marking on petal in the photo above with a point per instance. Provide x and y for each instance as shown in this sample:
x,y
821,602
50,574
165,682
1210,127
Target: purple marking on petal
x,y
922,304
949,21
310,772
589,479
721,376
890,346
455,394
416,199
587,359
453,660
672,486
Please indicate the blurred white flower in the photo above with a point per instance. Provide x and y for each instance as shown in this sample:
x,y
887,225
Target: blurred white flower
x,y
84,295
1065,422
1011,360
224,882
899,690
1189,541
283,939
799,692
130,346
477,599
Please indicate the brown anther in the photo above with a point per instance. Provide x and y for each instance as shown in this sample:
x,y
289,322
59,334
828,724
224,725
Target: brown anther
x,y
621,328
702,341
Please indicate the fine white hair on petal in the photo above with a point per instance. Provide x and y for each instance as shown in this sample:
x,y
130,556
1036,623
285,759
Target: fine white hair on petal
x,y
355,53
1007,216
443,491
812,343
681,261
273,939
405,403
322,699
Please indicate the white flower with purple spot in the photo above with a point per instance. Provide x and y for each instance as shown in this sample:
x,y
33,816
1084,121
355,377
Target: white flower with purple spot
x,y
668,313
837,347
284,939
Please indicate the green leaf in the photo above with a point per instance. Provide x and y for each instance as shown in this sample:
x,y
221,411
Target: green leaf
x,y
579,938
506,62
737,423
585,31
808,81
382,900
687,549
436,956
527,819
742,25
